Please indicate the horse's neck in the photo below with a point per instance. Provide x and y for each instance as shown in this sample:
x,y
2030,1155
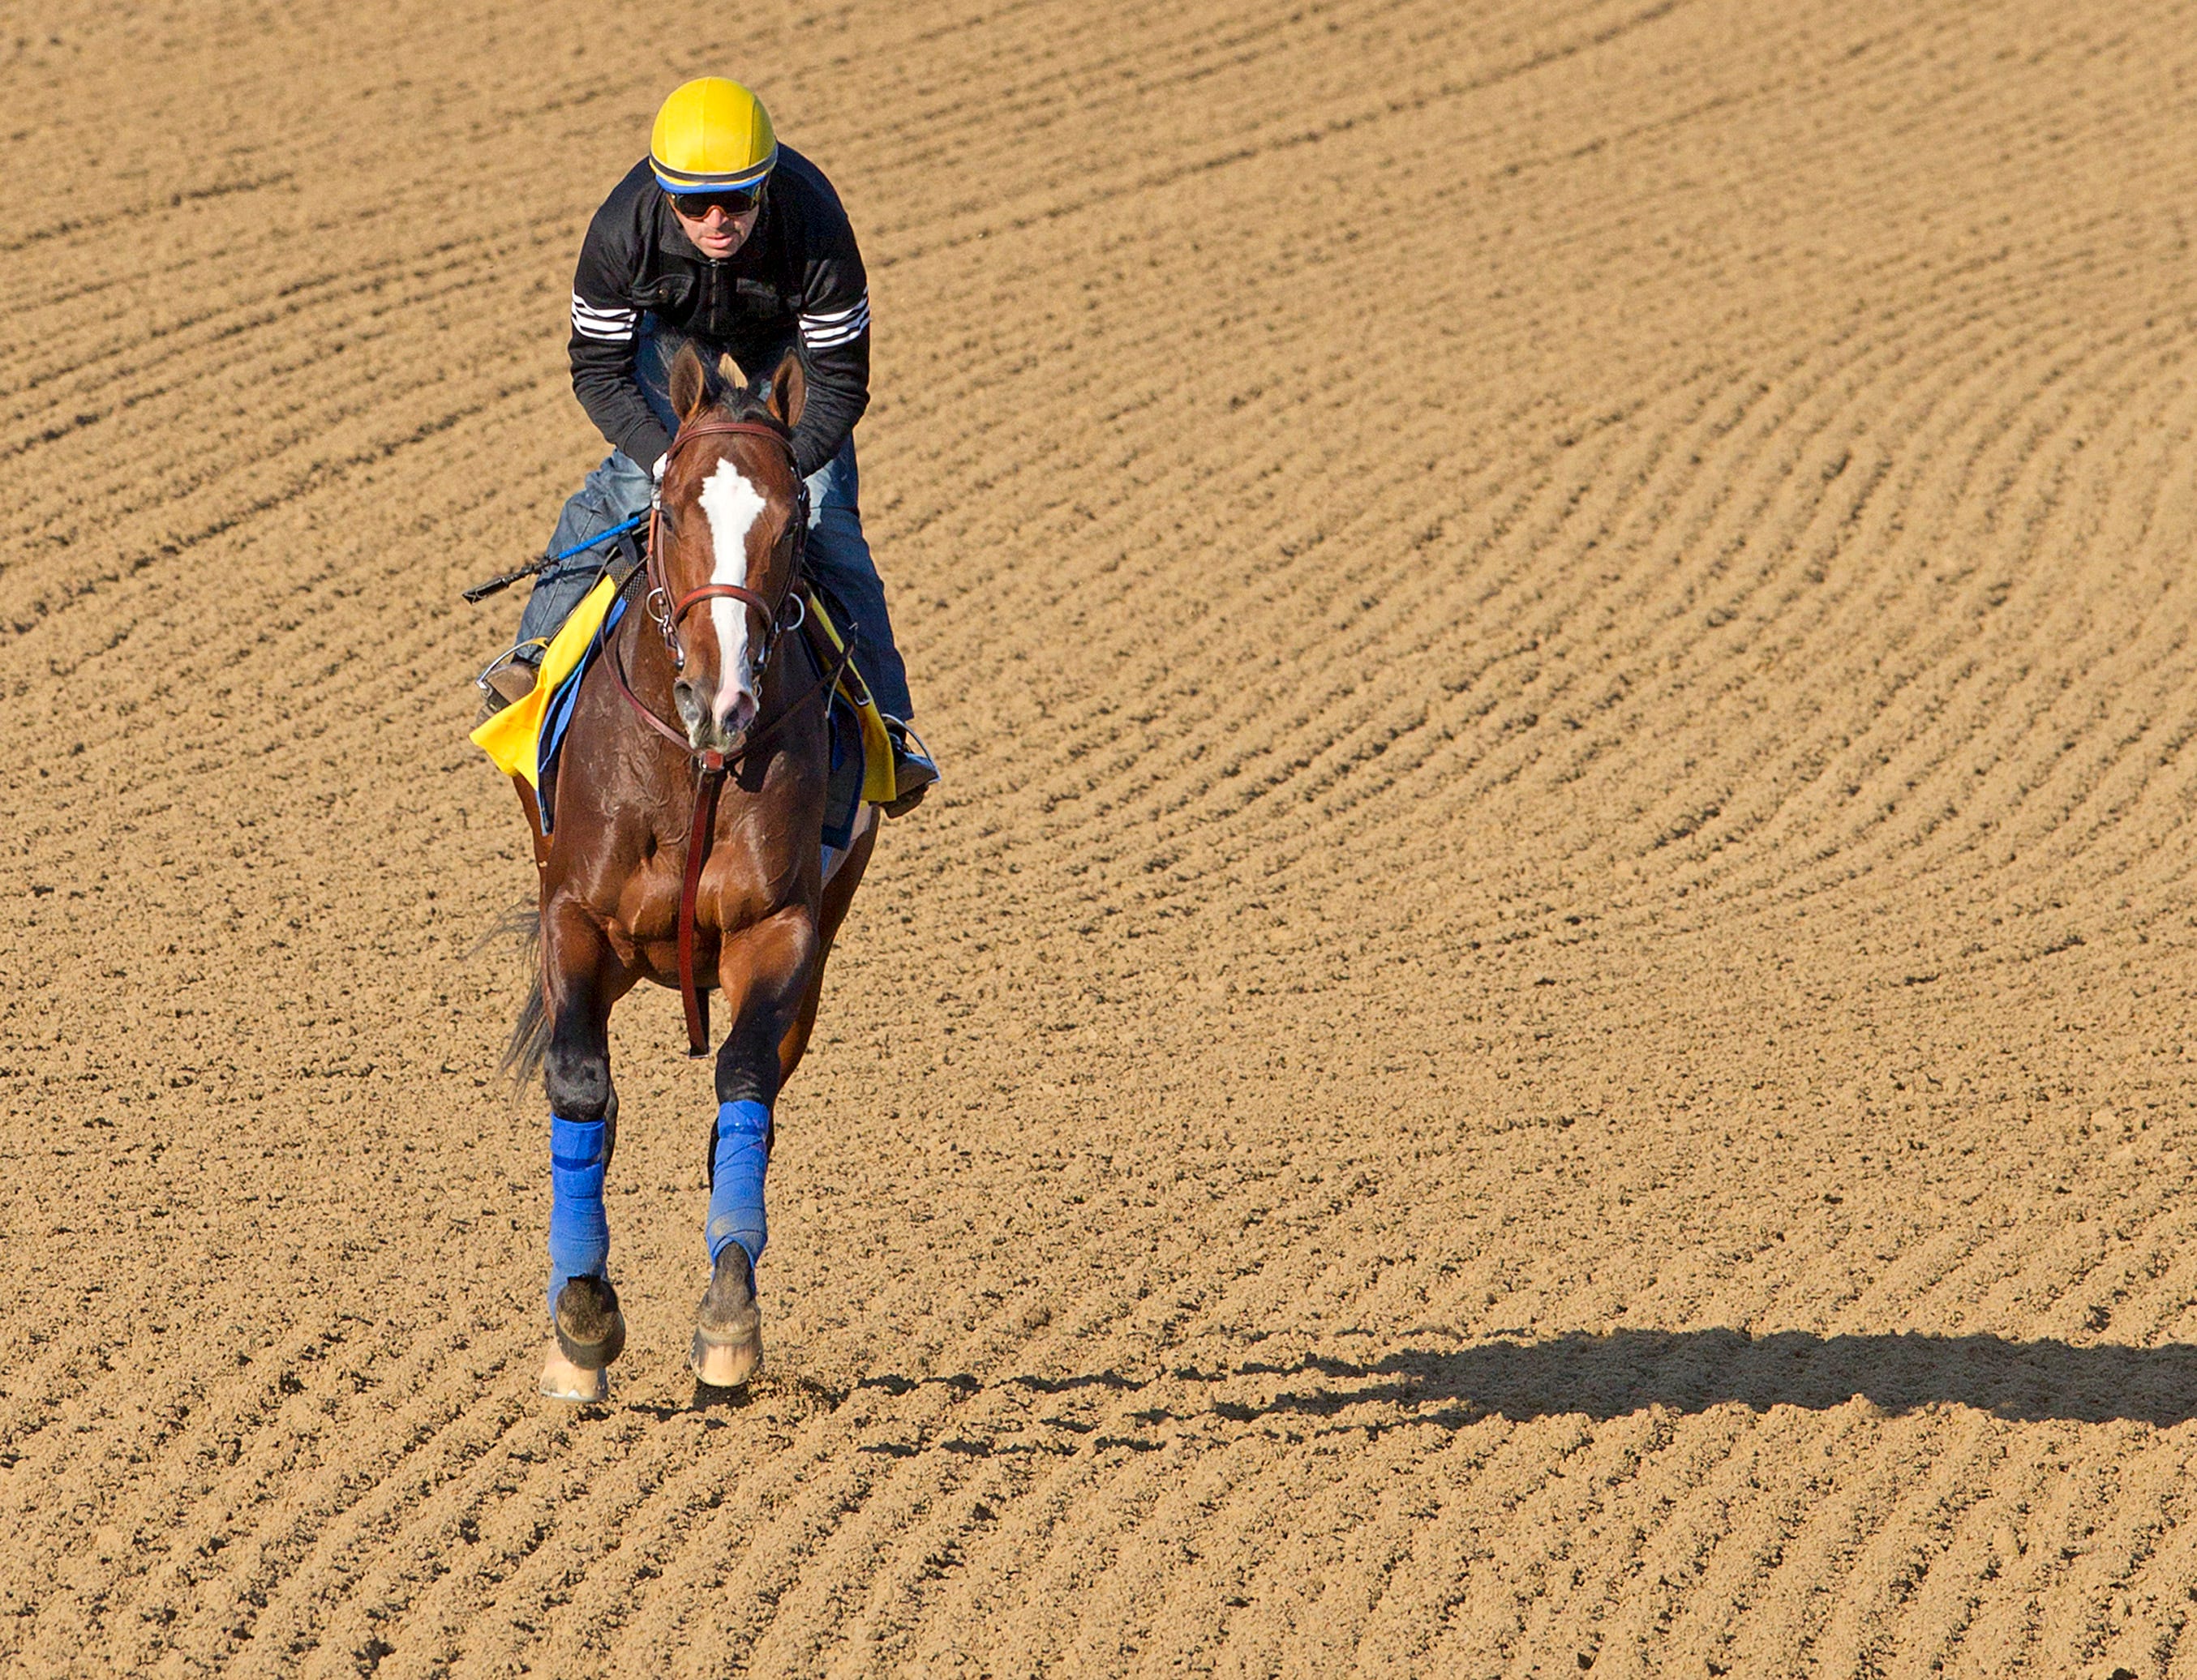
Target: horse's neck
x,y
648,658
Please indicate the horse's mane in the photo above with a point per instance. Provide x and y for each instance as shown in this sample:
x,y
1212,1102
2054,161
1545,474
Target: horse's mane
x,y
723,400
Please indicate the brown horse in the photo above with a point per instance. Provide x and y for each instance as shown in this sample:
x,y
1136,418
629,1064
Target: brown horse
x,y
632,799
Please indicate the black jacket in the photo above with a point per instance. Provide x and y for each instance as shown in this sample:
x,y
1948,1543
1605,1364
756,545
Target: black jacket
x,y
797,282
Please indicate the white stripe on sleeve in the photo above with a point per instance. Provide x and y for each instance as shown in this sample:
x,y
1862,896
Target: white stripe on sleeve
x,y
829,328
590,322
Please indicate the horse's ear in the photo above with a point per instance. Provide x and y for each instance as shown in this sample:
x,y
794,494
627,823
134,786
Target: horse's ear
x,y
729,371
690,383
789,390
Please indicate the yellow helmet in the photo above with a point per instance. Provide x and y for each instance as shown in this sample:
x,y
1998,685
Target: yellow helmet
x,y
712,135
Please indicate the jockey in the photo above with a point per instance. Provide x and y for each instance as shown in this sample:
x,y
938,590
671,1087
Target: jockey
x,y
723,236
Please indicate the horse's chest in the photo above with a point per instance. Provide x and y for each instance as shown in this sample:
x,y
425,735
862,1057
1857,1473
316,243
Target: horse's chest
x,y
738,888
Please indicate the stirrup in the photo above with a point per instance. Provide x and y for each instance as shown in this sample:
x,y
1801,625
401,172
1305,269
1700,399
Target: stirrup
x,y
496,695
914,769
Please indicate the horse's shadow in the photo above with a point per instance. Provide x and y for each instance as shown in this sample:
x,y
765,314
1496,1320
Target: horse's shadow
x,y
1610,1375
1613,1376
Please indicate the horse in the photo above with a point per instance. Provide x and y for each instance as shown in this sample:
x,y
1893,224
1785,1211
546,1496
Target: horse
x,y
689,848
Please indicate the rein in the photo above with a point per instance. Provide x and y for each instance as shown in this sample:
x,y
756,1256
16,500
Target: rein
x,y
710,767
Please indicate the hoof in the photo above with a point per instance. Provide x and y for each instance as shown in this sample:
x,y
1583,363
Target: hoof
x,y
726,1365
728,1327
590,1328
562,1380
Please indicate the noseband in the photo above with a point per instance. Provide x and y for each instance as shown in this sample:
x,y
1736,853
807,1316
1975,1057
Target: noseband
x,y
667,612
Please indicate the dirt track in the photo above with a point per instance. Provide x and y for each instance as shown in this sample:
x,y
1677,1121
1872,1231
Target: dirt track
x,y
1545,1020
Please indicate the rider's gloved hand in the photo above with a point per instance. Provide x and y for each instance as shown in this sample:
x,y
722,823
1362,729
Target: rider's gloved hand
x,y
656,474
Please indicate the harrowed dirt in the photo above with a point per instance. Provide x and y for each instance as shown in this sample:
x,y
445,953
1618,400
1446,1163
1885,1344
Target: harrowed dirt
x,y
1543,1024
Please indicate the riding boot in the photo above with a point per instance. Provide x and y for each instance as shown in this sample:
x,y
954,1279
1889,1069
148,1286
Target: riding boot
x,y
913,769
509,678
510,682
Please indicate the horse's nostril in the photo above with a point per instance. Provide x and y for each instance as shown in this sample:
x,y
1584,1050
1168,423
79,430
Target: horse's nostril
x,y
691,709
738,714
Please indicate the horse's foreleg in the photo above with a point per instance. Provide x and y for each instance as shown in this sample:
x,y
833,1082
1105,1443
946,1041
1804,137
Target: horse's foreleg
x,y
838,894
580,980
765,972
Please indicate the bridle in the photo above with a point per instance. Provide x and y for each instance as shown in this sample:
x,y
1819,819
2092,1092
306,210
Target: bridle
x,y
785,614
669,613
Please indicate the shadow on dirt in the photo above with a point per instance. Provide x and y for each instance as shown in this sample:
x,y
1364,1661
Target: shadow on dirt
x,y
1606,1377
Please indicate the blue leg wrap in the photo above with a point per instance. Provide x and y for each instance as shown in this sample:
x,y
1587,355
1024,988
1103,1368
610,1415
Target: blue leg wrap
x,y
743,1154
579,1232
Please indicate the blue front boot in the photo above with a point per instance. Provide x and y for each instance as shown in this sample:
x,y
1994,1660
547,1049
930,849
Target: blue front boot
x,y
728,1327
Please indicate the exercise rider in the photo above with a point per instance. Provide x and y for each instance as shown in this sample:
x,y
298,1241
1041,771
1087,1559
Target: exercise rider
x,y
723,236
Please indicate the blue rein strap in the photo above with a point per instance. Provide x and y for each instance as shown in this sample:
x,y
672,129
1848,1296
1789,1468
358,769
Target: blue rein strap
x,y
579,1230
737,1168
634,524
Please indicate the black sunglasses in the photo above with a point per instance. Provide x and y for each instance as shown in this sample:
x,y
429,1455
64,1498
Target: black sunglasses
x,y
696,206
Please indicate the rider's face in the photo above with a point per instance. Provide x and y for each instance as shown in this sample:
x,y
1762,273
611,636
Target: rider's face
x,y
715,234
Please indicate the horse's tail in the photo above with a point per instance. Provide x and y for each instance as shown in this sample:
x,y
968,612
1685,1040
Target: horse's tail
x,y
530,1032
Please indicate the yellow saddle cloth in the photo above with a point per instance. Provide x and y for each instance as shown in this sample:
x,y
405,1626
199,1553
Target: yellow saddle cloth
x,y
879,784
514,739
524,737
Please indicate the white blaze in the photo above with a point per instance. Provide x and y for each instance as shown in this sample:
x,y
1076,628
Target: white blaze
x,y
731,504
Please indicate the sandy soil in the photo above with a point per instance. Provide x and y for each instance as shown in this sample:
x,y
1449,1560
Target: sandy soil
x,y
1543,1025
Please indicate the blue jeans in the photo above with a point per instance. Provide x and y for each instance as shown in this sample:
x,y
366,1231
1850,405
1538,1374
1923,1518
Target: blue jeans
x,y
839,556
